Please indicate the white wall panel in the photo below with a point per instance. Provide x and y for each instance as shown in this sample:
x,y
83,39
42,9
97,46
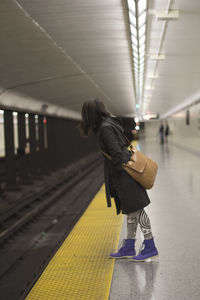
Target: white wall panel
x,y
181,134
152,129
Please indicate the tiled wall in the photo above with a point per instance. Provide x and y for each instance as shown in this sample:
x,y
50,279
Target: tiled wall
x,y
181,134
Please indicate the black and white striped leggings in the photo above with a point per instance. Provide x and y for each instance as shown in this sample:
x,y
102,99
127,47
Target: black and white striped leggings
x,y
138,217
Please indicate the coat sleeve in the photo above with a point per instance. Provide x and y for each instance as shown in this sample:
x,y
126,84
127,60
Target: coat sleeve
x,y
109,139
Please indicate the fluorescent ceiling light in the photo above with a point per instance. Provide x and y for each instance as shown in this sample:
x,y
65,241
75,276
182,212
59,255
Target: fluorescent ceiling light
x,y
137,19
142,40
141,74
135,54
142,19
142,31
150,116
163,15
135,48
142,71
141,62
142,5
152,76
149,88
133,31
141,59
15,113
132,19
142,48
134,40
157,56
136,63
1,111
142,55
131,6
142,65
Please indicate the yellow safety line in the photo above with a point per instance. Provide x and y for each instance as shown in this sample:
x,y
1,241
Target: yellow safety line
x,y
81,268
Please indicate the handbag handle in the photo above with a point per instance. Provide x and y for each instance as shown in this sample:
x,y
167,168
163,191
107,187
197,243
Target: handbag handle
x,y
133,149
107,155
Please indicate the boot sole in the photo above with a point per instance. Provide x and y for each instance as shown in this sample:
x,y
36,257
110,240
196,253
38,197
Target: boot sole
x,y
149,259
121,257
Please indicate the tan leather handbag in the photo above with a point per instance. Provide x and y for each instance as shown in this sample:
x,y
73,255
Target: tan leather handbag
x,y
140,167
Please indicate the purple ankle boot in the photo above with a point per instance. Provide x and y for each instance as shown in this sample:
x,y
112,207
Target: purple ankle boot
x,y
148,253
126,251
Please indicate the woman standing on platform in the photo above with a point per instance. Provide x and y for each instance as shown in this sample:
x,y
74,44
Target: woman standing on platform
x,y
130,197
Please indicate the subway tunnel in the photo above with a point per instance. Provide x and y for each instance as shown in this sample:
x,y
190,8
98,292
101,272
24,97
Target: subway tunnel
x,y
141,58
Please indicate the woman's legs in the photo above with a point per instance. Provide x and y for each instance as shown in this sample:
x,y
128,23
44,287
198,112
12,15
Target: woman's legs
x,y
149,251
141,217
132,223
128,248
145,225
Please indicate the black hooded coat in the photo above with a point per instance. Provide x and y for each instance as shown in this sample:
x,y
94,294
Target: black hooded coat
x,y
129,195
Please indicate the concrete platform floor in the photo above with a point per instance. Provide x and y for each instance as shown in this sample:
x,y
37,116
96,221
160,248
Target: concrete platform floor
x,y
175,217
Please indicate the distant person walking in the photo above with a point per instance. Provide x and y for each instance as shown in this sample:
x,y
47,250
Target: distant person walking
x,y
130,197
161,132
166,131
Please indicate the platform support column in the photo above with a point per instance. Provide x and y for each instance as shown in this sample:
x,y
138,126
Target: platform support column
x,y
62,142
22,159
33,144
41,144
50,142
56,145
10,161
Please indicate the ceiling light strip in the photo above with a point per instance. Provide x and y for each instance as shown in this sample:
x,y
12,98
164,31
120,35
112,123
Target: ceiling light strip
x,y
137,18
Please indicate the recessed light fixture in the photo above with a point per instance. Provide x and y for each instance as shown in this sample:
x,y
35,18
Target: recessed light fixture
x,y
150,116
152,76
149,88
136,120
157,56
170,15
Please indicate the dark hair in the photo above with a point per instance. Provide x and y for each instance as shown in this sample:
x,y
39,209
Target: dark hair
x,y
93,112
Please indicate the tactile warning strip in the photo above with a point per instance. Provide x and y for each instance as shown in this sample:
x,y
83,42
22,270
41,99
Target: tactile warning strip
x,y
81,268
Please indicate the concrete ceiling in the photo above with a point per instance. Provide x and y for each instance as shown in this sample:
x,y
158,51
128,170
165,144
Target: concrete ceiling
x,y
64,52
179,74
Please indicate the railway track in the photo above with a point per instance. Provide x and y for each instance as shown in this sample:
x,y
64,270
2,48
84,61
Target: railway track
x,y
33,203
30,242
